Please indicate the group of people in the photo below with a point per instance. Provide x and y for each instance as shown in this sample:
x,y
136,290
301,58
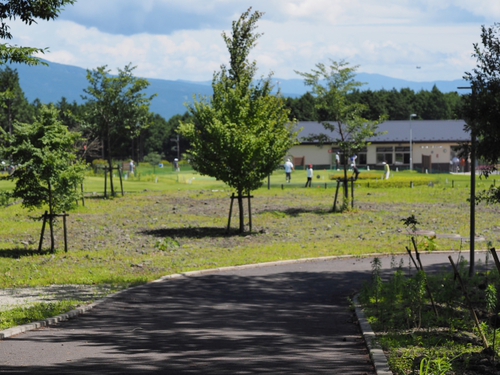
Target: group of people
x,y
289,168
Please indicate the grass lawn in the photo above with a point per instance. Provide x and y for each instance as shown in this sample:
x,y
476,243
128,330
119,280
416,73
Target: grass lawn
x,y
174,222
169,222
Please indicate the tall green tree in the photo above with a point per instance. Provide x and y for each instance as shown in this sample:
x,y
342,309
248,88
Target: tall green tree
x,y
243,132
28,11
303,108
47,168
482,104
347,129
117,107
13,104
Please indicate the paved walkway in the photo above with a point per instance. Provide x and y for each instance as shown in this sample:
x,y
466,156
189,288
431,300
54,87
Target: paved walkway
x,y
290,318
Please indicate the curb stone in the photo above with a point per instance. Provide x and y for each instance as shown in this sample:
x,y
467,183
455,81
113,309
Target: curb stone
x,y
376,353
49,321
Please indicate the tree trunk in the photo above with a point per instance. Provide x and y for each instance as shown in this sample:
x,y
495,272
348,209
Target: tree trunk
x,y
345,184
51,220
110,164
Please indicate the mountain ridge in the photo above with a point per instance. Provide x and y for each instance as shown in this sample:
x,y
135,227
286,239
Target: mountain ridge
x,y
51,83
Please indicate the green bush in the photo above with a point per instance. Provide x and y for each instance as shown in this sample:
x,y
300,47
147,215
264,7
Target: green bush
x,y
399,182
98,165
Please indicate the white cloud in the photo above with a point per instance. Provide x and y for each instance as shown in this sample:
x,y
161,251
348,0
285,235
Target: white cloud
x,y
390,37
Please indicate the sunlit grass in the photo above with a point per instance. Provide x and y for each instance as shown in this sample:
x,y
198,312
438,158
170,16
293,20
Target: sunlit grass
x,y
119,240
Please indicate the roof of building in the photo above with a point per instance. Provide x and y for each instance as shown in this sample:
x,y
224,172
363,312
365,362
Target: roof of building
x,y
399,131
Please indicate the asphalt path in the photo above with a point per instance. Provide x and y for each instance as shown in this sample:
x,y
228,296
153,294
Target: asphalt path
x,y
286,318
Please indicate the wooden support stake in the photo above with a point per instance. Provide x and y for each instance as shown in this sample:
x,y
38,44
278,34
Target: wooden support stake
x,y
473,313
249,213
83,195
336,196
230,213
352,192
105,182
43,231
495,258
120,175
412,259
65,233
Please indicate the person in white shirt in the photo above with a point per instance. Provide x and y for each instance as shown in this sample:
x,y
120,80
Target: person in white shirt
x,y
288,170
310,174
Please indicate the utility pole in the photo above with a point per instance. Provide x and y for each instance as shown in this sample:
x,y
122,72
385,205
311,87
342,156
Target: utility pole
x,y
472,201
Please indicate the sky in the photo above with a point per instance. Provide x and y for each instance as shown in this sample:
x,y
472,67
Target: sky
x,y
416,40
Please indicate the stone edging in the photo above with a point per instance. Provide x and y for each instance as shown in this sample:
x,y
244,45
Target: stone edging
x,y
377,355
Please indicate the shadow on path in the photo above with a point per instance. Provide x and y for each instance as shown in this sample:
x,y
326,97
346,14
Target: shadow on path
x,y
281,323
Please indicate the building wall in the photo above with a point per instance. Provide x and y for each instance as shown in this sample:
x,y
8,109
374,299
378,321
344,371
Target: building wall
x,y
441,154
317,156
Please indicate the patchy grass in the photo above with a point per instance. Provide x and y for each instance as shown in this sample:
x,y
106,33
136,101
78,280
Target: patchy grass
x,y
178,227
171,222
36,312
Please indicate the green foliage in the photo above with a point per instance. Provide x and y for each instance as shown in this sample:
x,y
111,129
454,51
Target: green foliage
x,y
411,222
482,104
28,12
47,167
330,86
166,244
396,105
158,137
399,309
242,133
5,197
117,107
153,158
14,105
37,312
435,366
98,164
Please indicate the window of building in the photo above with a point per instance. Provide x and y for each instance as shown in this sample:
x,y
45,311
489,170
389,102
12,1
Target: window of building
x,y
385,154
360,160
402,155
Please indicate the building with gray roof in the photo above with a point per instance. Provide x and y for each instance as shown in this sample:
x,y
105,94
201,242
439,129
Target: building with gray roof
x,y
433,144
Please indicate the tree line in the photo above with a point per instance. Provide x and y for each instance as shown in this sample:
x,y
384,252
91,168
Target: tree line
x,y
393,104
150,133
159,134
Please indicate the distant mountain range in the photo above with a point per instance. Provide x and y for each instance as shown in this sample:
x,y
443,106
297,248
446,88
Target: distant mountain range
x,y
51,83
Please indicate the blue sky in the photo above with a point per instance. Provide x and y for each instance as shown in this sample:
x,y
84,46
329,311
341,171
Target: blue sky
x,y
172,39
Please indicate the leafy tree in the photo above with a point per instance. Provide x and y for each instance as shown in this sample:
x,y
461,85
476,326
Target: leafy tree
x,y
303,108
375,101
340,117
14,105
47,169
158,136
482,104
153,158
117,107
242,133
28,11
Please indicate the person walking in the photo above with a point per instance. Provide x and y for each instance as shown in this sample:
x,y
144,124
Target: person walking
x,y
387,170
131,167
354,167
289,168
310,174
